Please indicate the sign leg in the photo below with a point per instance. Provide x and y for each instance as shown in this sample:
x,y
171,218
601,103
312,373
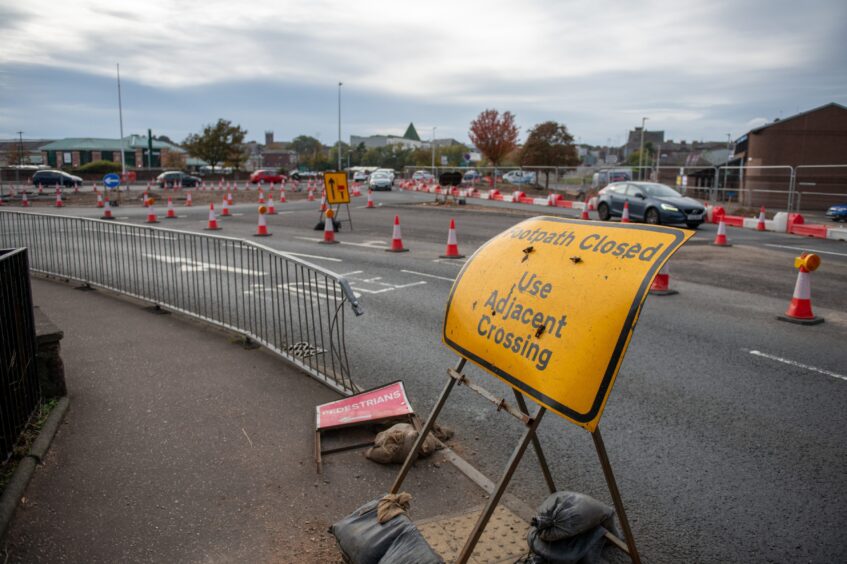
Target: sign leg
x,y
536,445
422,434
486,514
616,495
349,217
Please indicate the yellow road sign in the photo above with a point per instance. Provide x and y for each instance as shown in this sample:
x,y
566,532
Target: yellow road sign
x,y
549,305
337,191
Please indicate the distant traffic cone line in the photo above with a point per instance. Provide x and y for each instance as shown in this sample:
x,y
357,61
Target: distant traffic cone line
x,y
720,238
262,227
452,250
171,214
760,226
661,283
397,238
370,199
213,220
625,215
800,309
188,201
329,229
107,211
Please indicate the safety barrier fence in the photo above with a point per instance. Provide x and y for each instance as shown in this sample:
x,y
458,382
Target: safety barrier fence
x,y
294,308
20,393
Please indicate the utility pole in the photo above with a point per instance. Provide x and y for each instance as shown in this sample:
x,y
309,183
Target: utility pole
x,y
339,126
20,157
641,151
433,150
121,121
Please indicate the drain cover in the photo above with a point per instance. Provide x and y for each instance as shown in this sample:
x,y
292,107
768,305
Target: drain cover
x,y
503,540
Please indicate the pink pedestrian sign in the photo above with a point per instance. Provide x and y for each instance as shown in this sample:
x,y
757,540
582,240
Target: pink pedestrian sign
x,y
373,405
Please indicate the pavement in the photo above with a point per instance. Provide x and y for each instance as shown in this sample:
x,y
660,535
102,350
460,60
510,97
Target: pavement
x,y
182,446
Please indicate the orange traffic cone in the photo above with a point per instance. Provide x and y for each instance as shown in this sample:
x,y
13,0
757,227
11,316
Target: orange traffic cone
x,y
188,202
761,225
661,283
171,214
151,212
329,229
323,203
213,221
261,196
800,308
452,243
282,195
271,208
229,197
720,238
262,229
24,200
99,200
625,216
370,199
225,208
585,208
59,203
396,238
311,196
40,190
107,211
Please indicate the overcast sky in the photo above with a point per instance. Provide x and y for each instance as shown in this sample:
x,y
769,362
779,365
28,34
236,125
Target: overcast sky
x,y
697,69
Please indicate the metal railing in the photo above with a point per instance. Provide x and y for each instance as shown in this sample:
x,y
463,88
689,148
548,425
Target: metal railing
x,y
20,393
292,307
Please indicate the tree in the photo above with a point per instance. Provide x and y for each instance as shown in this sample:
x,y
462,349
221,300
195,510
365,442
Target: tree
x,y
493,135
549,144
173,160
218,143
308,149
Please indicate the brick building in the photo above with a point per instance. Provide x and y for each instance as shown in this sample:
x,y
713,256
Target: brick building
x,y
74,152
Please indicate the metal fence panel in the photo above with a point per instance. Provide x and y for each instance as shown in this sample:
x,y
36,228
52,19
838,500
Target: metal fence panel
x,y
20,393
292,307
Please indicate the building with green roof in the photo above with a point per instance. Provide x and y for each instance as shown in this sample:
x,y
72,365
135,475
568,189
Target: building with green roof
x,y
74,152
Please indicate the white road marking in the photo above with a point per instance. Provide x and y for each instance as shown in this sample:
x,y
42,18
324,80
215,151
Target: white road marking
x,y
806,249
366,244
429,275
454,262
141,235
316,257
351,273
797,364
188,265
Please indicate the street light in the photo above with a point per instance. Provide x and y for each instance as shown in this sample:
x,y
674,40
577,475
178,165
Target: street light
x,y
339,126
433,150
641,150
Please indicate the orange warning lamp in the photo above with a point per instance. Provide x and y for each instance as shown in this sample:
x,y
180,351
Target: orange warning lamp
x,y
807,262
329,213
262,209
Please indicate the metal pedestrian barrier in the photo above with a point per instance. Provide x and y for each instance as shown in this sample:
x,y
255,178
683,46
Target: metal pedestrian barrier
x,y
20,393
292,307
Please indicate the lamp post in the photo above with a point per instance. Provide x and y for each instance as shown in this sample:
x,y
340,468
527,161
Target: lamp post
x,y
339,126
433,150
641,151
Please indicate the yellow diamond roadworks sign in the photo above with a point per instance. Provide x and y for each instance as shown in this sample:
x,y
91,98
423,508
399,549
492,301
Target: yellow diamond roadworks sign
x,y
549,305
337,191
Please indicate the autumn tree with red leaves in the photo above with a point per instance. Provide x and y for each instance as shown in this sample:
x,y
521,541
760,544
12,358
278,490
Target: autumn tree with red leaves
x,y
494,135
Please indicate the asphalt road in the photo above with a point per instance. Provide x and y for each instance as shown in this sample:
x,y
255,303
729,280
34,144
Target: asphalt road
x,y
726,427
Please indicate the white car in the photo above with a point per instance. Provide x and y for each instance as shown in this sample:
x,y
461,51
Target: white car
x,y
380,181
387,171
422,175
360,176
519,177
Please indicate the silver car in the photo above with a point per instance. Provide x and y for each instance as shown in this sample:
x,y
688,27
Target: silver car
x,y
380,181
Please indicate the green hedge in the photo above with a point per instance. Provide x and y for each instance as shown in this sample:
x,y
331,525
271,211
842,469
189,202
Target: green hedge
x,y
100,167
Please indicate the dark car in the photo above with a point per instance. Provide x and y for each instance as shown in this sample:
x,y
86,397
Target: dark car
x,y
266,176
55,177
299,175
651,203
472,176
838,212
175,177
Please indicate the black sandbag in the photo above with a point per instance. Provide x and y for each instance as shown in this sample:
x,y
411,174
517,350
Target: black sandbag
x,y
567,514
584,548
363,540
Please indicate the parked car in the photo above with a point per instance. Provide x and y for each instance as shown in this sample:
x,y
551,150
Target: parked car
x,y
380,181
422,176
266,176
519,177
299,175
387,171
603,177
838,212
472,176
48,178
360,176
174,177
651,203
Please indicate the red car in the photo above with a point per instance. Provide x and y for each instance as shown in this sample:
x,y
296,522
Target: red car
x,y
266,176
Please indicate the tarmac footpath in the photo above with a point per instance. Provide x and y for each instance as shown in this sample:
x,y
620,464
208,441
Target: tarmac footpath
x,y
182,446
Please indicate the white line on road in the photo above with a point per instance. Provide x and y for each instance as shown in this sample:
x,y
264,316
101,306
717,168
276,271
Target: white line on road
x,y
311,256
367,245
797,364
429,275
454,262
351,273
806,249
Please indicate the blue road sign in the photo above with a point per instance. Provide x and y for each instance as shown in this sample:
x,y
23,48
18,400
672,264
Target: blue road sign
x,y
112,180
